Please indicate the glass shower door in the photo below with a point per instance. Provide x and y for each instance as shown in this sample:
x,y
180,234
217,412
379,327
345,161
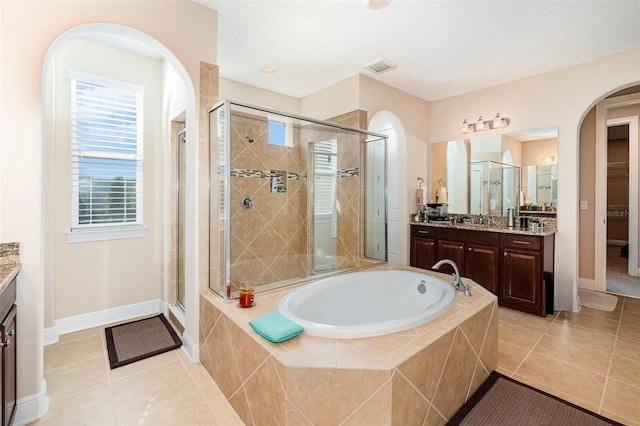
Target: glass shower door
x,y
325,179
181,167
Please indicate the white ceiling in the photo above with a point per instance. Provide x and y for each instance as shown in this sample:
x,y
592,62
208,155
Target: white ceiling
x,y
442,48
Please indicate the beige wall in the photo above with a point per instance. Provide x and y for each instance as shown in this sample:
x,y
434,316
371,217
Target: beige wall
x,y
534,152
92,276
587,192
234,91
28,29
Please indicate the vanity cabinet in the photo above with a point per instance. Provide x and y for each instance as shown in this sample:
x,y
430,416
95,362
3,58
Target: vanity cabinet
x,y
8,311
423,247
517,268
475,252
527,273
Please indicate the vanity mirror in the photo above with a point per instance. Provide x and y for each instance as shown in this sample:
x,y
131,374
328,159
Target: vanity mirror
x,y
489,174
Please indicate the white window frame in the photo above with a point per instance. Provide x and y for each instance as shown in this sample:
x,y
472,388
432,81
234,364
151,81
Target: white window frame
x,y
325,167
106,231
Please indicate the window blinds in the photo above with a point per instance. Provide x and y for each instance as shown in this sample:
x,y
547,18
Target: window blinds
x,y
106,151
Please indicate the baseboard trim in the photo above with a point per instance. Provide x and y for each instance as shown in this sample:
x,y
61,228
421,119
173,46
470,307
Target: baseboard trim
x,y
587,283
33,407
50,335
190,349
103,317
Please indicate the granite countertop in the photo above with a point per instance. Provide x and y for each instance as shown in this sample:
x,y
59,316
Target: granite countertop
x,y
488,228
9,263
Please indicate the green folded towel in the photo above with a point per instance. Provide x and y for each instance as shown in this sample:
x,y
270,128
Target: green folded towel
x,y
275,327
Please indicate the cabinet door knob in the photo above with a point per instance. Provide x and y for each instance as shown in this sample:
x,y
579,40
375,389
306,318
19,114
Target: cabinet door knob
x,y
11,333
470,249
505,254
431,243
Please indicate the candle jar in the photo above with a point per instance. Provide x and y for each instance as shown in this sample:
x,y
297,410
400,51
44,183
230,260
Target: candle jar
x,y
246,297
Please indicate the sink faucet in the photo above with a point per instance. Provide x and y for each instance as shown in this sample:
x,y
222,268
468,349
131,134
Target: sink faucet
x,y
457,281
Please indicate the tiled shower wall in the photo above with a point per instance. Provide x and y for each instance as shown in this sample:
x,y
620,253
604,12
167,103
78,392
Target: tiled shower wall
x,y
208,155
350,224
270,242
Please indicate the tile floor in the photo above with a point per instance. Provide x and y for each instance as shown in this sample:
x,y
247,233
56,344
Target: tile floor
x,y
163,390
618,279
591,359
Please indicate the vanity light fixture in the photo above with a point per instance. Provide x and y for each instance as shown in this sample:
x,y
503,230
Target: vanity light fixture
x,y
465,127
481,125
498,122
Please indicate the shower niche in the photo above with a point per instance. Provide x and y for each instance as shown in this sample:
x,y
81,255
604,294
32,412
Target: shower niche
x,y
308,181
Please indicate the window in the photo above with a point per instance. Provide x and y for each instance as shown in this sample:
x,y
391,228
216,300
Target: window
x,y
279,131
325,169
106,156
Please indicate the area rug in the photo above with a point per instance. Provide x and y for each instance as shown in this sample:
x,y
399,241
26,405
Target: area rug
x,y
504,401
597,300
137,340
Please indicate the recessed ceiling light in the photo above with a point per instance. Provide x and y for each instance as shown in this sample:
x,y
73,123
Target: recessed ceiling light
x,y
268,69
377,4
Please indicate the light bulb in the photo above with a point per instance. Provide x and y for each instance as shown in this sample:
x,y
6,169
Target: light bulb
x,y
497,122
465,126
480,124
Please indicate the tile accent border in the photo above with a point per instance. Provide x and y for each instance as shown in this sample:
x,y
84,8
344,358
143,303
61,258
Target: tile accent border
x,y
262,174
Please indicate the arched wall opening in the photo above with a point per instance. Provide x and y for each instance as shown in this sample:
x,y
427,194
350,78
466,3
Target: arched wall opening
x,y
622,103
388,123
113,302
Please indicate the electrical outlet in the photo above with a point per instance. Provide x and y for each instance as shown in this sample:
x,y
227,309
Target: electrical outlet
x,y
584,205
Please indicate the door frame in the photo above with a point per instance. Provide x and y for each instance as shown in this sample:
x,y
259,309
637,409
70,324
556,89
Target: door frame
x,y
602,124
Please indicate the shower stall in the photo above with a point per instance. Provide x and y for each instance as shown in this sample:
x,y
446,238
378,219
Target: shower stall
x,y
494,187
291,198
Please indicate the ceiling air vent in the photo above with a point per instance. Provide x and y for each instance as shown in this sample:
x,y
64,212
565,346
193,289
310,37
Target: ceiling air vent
x,y
380,65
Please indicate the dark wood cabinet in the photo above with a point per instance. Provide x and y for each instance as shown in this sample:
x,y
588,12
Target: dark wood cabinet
x,y
527,273
423,248
475,252
453,250
517,268
482,264
8,335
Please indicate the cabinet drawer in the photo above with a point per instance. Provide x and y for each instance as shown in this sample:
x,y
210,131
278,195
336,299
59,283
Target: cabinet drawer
x,y
423,231
487,238
526,242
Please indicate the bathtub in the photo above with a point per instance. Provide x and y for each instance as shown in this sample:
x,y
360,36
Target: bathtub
x,y
367,304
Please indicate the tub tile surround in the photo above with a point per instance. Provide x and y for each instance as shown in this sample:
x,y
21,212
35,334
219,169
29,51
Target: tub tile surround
x,y
411,377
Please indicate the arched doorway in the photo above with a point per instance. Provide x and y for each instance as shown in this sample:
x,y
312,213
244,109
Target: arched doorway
x,y
387,123
175,92
609,256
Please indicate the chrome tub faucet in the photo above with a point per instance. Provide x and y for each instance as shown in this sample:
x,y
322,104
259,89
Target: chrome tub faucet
x,y
457,280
